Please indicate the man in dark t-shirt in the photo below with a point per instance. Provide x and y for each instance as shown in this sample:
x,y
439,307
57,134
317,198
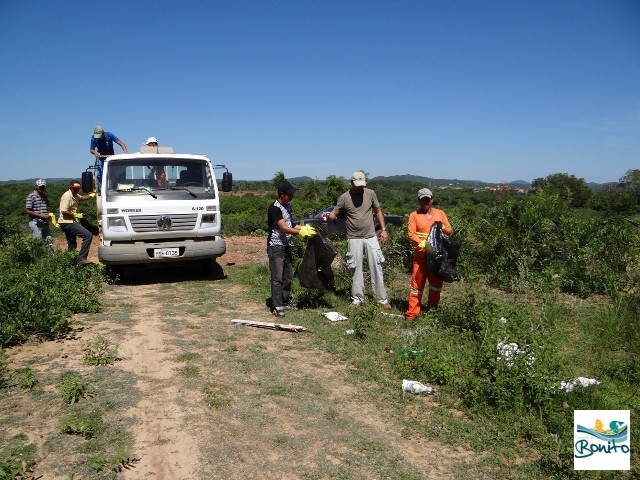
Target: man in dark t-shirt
x,y
279,248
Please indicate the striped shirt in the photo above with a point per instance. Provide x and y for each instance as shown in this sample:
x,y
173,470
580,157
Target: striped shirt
x,y
276,212
38,204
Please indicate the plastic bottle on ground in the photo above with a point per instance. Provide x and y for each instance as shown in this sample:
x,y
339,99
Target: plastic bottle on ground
x,y
413,386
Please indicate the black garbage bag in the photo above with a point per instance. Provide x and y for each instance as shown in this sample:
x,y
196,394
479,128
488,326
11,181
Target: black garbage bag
x,y
443,254
90,226
315,269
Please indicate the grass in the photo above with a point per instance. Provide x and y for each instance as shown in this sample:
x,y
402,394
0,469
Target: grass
x,y
330,399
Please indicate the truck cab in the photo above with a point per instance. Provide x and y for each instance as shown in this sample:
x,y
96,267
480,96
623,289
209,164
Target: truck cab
x,y
158,207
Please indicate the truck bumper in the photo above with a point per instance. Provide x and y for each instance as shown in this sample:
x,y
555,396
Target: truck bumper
x,y
139,253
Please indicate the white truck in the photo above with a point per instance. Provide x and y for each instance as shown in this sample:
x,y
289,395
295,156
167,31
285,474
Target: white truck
x,y
157,207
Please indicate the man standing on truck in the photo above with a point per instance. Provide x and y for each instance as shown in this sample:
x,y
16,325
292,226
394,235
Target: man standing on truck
x,y
359,204
70,221
101,146
37,207
279,248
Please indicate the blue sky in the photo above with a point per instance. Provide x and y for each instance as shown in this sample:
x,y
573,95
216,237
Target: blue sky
x,y
474,90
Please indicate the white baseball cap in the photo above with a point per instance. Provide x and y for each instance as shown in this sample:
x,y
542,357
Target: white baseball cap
x,y
151,140
359,179
424,193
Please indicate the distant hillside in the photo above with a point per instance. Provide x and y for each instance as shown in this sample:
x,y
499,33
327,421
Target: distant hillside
x,y
446,182
429,182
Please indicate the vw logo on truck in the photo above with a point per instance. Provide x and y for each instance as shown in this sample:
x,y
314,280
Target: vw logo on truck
x,y
164,222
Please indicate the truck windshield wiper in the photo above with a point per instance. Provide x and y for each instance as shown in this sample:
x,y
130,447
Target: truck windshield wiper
x,y
137,189
185,189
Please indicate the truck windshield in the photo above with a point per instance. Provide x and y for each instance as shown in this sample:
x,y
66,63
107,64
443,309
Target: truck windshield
x,y
170,176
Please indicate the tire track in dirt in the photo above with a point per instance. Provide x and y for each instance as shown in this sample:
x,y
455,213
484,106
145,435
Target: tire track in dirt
x,y
163,442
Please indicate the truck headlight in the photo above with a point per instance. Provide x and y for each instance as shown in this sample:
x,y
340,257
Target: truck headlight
x,y
117,224
209,218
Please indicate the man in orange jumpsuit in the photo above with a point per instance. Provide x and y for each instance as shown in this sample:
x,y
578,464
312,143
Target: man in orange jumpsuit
x,y
420,223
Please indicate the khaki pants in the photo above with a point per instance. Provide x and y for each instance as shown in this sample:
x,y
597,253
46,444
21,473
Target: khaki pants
x,y
357,248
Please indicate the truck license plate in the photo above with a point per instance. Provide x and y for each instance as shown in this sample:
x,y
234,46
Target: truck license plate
x,y
166,252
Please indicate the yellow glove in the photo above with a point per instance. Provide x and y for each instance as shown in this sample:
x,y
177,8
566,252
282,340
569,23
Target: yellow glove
x,y
307,231
91,195
422,245
78,215
53,220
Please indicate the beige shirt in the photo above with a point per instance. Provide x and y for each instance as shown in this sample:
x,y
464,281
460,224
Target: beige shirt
x,y
359,210
68,203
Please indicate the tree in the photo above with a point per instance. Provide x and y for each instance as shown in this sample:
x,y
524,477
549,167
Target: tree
x,y
278,178
334,187
631,180
311,190
573,190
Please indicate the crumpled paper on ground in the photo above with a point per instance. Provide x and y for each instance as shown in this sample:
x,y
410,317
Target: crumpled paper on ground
x,y
335,316
570,385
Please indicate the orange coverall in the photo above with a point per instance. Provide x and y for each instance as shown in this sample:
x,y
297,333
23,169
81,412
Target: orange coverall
x,y
418,229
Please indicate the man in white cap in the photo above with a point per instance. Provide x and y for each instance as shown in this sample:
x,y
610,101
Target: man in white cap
x,y
102,146
37,207
418,229
359,204
152,142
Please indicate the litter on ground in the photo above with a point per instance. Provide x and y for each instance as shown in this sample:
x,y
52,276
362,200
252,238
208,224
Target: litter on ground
x,y
570,385
413,386
335,316
509,351
273,326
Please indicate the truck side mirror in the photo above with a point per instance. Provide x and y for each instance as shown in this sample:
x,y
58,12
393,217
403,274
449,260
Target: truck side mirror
x,y
87,182
227,182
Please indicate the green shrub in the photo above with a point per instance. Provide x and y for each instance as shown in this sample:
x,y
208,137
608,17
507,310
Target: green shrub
x,y
24,378
39,291
87,425
17,458
8,229
72,387
536,243
98,351
4,362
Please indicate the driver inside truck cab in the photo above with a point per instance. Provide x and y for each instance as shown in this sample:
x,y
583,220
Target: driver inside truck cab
x,y
191,176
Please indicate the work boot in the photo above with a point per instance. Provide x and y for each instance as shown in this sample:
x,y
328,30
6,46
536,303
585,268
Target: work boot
x,y
84,261
278,312
290,306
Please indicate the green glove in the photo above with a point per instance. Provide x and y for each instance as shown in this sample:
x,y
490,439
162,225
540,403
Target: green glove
x,y
92,194
422,245
78,215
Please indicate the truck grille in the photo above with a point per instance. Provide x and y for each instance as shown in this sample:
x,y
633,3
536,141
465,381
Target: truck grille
x,y
149,223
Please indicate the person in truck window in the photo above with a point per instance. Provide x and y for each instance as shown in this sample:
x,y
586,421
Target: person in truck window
x,y
418,229
192,176
70,221
102,145
37,208
151,142
162,180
